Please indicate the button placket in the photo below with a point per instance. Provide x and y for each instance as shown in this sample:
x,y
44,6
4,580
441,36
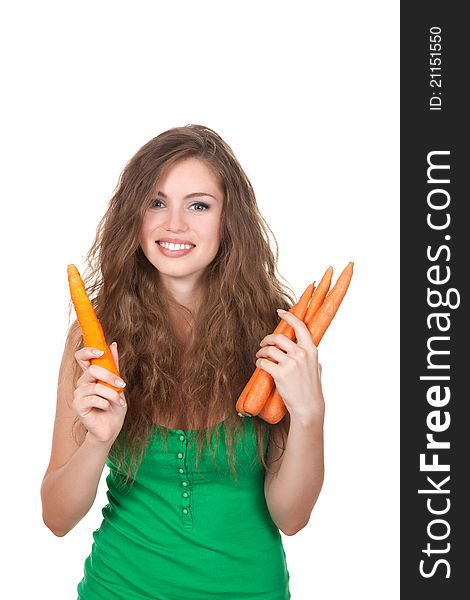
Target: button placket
x,y
185,490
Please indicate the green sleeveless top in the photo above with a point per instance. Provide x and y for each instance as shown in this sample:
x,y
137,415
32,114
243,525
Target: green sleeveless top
x,y
187,534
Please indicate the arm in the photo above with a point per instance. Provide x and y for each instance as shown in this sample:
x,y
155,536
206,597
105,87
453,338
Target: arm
x,y
292,491
71,480
68,492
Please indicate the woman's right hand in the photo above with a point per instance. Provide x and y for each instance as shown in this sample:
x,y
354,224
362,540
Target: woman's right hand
x,y
100,408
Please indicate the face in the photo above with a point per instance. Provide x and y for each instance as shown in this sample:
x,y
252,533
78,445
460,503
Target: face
x,y
180,233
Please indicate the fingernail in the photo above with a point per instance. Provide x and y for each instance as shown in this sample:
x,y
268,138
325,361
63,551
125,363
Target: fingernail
x,y
97,352
114,344
119,382
281,310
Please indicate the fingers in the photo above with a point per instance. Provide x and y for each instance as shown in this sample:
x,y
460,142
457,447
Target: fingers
x,y
271,352
302,333
88,386
97,373
85,354
100,395
289,348
280,340
85,403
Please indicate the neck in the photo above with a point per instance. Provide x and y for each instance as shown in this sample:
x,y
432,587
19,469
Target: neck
x,y
184,292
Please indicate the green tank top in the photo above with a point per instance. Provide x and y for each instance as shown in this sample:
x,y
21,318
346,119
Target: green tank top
x,y
187,534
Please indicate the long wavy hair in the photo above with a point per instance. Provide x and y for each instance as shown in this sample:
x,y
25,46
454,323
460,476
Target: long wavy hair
x,y
167,379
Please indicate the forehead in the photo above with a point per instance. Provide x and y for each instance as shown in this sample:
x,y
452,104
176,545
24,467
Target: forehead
x,y
188,175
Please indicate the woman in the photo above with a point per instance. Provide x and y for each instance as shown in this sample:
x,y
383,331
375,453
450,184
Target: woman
x,y
183,278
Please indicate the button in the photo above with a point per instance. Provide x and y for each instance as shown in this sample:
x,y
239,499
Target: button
x,y
185,511
182,438
185,494
180,470
180,455
184,483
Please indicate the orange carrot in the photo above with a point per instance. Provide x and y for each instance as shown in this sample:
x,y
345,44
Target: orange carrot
x,y
244,394
275,409
323,317
92,331
319,295
256,391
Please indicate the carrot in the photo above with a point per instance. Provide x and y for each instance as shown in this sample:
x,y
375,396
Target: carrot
x,y
319,294
257,390
244,394
93,335
323,317
274,406
275,409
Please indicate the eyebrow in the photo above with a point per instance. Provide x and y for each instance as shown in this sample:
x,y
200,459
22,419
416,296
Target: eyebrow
x,y
189,195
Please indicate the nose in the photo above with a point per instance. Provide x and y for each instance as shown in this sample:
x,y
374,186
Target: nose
x,y
175,219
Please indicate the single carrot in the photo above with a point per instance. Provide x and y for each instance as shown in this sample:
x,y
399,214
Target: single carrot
x,y
275,409
319,295
92,331
244,394
323,317
256,391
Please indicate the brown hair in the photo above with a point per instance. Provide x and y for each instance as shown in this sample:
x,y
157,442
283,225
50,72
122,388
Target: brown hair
x,y
241,291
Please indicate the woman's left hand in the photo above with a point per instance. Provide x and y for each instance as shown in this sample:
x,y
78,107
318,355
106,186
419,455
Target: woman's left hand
x,y
296,370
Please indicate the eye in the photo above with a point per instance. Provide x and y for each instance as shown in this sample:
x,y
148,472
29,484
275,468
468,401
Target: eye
x,y
154,203
203,204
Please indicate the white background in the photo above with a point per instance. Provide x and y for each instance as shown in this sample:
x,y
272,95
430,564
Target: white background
x,y
306,94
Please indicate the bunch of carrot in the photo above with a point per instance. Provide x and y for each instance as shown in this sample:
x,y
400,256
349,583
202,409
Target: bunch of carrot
x,y
316,307
92,331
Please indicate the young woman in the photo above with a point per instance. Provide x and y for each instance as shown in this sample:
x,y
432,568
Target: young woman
x,y
183,278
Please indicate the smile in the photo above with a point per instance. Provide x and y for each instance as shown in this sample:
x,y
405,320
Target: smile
x,y
174,250
171,246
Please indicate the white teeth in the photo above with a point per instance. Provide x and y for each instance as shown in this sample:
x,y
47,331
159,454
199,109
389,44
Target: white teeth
x,y
171,246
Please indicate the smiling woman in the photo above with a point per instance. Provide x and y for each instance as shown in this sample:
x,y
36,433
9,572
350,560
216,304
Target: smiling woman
x,y
183,276
172,227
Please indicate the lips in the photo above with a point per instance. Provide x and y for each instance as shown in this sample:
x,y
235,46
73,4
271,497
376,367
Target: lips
x,y
175,241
